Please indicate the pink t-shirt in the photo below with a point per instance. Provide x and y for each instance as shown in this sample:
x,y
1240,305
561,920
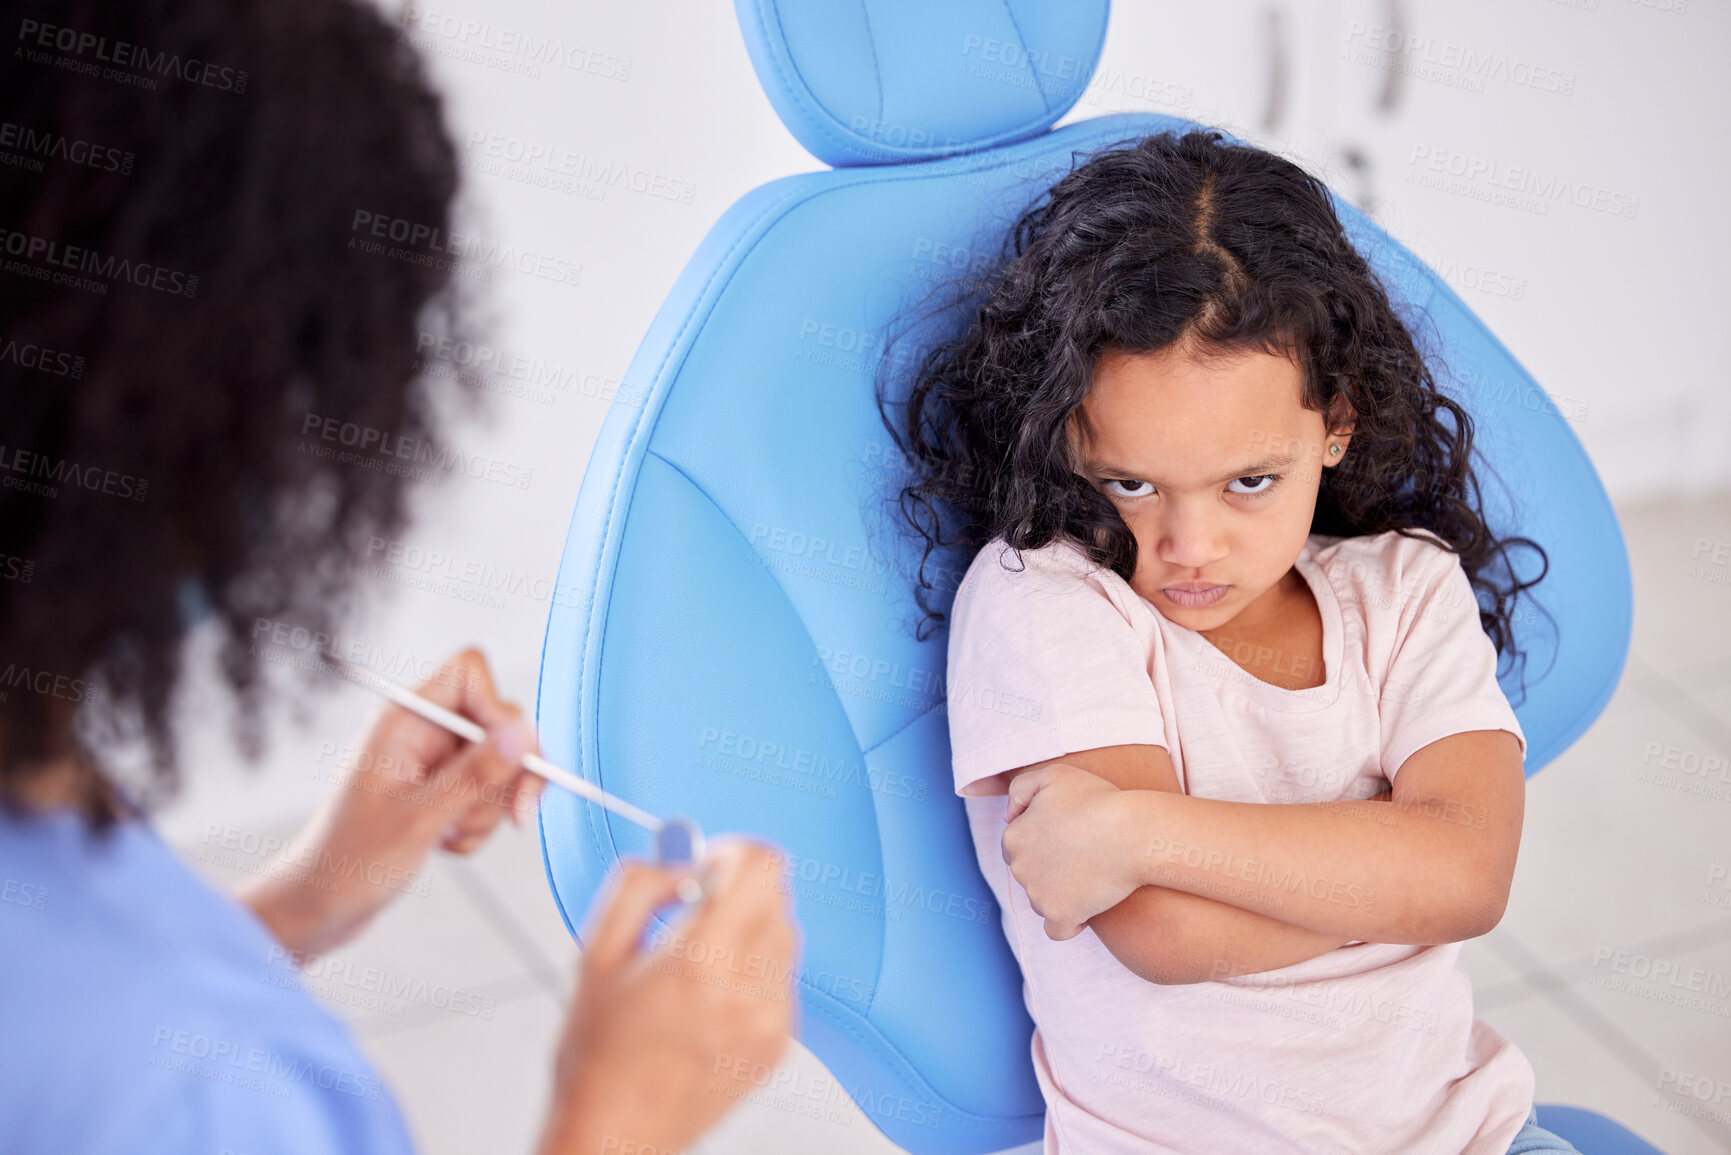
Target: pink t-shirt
x,y
1369,1048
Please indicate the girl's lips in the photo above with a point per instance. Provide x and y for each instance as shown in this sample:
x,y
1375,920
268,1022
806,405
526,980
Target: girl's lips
x,y
1194,599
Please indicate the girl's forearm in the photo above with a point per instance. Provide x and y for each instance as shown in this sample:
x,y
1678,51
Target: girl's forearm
x,y
1171,937
1376,871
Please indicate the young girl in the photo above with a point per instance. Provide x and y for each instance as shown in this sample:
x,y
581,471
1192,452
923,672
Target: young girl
x,y
1228,542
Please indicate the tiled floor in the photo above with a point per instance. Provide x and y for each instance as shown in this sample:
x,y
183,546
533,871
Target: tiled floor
x,y
1621,875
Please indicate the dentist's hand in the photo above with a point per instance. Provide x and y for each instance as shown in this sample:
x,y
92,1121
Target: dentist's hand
x,y
409,786
1071,843
665,1038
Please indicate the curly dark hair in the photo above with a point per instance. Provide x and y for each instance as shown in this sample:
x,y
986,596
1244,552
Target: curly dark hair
x,y
181,293
1167,239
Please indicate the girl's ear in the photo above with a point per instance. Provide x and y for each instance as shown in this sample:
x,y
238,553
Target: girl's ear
x,y
1342,418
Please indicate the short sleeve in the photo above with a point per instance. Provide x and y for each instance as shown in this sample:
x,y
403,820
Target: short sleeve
x,y
1442,678
1042,663
145,1014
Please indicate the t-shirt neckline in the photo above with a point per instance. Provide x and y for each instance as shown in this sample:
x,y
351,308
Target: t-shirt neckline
x,y
1240,681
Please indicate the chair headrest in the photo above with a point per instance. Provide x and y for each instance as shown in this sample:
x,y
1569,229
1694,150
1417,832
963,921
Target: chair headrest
x,y
861,82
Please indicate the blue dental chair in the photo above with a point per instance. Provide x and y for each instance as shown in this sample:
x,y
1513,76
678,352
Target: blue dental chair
x,y
743,651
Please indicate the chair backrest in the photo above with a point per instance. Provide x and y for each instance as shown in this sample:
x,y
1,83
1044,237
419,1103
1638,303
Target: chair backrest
x,y
736,646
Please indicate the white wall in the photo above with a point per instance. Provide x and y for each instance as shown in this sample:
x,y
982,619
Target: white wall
x,y
1619,100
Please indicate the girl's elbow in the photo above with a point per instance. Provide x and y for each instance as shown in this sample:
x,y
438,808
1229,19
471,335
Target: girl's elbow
x,y
1475,911
1167,967
1182,972
1483,916
1153,950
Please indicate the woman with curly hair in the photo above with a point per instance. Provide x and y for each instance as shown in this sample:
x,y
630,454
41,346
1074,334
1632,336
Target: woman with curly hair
x,y
191,278
1227,553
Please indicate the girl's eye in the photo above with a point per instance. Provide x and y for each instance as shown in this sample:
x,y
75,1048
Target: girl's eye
x,y
1126,488
1261,483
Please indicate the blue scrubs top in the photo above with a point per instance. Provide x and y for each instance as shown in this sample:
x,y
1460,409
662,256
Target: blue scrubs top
x,y
142,1011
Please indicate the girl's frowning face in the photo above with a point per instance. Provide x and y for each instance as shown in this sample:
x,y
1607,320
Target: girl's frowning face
x,y
1214,463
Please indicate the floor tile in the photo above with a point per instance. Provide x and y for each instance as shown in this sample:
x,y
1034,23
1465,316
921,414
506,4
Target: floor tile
x,y
1485,966
1617,843
1715,699
508,871
430,953
800,1108
469,1084
437,945
1680,595
1573,1067
1675,1005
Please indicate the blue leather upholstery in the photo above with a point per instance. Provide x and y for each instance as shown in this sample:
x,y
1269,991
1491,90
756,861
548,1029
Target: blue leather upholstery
x,y
891,81
738,648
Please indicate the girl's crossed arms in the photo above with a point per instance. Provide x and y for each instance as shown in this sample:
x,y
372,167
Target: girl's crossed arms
x,y
1183,889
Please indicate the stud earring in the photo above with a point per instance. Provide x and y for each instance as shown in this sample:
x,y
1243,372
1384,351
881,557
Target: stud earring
x,y
1334,451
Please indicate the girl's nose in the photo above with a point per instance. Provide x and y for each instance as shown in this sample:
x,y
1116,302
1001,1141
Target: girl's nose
x,y
1190,540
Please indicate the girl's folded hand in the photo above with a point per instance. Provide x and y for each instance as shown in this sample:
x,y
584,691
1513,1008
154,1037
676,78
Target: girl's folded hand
x,y
1069,843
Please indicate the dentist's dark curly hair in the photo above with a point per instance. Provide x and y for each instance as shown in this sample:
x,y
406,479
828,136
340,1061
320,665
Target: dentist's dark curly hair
x,y
1177,238
156,463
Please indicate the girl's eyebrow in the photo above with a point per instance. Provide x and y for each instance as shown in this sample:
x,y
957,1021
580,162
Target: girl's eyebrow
x,y
1266,465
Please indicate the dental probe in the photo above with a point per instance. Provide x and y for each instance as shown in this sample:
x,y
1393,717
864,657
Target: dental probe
x,y
677,840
